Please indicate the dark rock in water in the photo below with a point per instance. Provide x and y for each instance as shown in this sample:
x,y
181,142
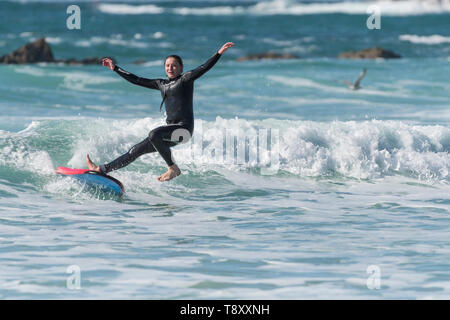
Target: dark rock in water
x,y
36,51
140,61
40,51
96,60
268,55
91,61
83,61
370,53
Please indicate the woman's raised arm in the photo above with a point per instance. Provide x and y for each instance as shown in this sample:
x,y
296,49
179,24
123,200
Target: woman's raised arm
x,y
144,82
201,70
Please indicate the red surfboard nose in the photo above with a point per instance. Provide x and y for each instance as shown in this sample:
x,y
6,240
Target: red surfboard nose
x,y
64,170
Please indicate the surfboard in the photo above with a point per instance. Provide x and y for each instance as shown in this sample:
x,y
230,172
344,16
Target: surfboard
x,y
97,181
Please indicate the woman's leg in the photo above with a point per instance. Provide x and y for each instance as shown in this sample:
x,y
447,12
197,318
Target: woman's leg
x,y
159,139
162,139
136,151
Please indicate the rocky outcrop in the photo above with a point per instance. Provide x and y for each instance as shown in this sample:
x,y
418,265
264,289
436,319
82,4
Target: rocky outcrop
x,y
37,51
370,53
268,55
140,61
83,61
40,51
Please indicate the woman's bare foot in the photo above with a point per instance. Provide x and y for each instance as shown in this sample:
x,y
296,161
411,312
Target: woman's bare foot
x,y
92,166
171,173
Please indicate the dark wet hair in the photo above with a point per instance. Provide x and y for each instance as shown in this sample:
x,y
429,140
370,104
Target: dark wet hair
x,y
178,58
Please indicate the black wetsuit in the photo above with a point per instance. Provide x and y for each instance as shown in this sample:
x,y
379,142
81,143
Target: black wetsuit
x,y
177,94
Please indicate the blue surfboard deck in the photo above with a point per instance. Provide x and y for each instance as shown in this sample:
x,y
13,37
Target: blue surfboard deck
x,y
95,181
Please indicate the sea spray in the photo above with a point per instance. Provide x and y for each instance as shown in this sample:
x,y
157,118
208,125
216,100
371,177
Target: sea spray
x,y
362,150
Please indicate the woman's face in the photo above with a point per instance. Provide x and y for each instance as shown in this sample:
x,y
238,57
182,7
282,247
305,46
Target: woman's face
x,y
173,68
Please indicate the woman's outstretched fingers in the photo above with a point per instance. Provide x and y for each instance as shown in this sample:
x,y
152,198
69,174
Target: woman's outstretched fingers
x,y
225,47
107,62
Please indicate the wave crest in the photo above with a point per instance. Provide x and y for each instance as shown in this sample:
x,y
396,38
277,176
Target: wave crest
x,y
361,150
286,7
430,40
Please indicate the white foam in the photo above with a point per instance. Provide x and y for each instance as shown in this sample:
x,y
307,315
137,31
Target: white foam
x,y
276,42
80,81
396,8
98,107
213,11
430,40
118,41
109,139
153,63
18,153
286,7
158,35
362,150
53,40
83,81
26,34
129,9
304,82
30,70
164,44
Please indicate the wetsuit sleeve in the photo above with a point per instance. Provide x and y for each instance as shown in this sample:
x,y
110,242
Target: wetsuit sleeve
x,y
199,71
144,82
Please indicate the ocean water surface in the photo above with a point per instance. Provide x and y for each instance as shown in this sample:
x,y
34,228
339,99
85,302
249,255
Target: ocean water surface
x,y
292,187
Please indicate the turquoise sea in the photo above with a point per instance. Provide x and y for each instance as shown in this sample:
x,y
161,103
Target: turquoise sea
x,y
348,199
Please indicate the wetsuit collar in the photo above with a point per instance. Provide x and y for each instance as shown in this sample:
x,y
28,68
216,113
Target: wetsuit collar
x,y
175,78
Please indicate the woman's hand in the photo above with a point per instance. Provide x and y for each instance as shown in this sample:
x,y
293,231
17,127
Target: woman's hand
x,y
107,62
225,47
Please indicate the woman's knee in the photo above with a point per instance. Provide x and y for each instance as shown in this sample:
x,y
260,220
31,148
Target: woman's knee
x,y
154,135
174,135
143,147
133,150
181,135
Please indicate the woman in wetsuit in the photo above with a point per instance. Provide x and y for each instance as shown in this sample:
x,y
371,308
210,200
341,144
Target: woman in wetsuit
x,y
177,94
